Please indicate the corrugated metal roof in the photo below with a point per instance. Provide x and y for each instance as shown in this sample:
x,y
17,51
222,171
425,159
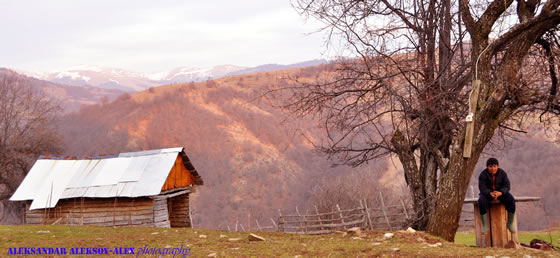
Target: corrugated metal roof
x,y
131,174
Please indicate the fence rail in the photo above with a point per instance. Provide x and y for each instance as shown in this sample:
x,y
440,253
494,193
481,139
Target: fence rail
x,y
386,217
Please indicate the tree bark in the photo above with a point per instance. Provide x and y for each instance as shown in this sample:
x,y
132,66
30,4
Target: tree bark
x,y
443,220
413,178
429,169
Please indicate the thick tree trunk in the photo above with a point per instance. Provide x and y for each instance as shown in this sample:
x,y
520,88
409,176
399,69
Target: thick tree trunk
x,y
444,219
428,169
413,178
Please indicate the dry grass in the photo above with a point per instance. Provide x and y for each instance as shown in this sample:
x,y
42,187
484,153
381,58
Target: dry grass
x,y
276,245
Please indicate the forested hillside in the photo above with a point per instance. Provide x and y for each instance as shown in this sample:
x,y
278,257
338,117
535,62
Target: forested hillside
x,y
70,97
251,158
254,159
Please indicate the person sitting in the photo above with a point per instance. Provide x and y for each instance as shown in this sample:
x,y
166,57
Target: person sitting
x,y
493,184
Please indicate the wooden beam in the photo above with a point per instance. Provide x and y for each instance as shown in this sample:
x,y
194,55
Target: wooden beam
x,y
166,196
517,199
473,101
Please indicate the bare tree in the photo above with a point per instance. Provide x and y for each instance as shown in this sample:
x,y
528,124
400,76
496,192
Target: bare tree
x,y
27,129
346,190
428,84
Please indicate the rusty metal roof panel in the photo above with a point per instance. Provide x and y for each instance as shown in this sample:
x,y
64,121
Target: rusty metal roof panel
x,y
130,174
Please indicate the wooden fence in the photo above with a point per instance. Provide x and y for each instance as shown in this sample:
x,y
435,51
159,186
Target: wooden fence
x,y
257,227
384,217
466,221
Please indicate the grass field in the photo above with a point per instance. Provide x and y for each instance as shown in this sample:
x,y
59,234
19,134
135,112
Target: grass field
x,y
552,236
146,241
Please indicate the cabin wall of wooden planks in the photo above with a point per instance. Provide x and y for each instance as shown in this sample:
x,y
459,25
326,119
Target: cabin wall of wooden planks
x,y
141,211
178,177
161,213
178,207
95,211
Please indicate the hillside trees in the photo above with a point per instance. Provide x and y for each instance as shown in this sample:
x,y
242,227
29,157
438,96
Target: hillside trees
x,y
407,91
26,130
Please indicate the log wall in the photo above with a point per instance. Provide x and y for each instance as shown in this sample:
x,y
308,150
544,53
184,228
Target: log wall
x,y
161,214
95,211
159,211
178,207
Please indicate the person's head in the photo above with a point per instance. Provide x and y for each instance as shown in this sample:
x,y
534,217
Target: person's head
x,y
492,165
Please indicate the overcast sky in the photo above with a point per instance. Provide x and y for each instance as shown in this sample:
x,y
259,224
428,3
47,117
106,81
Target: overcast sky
x,y
153,36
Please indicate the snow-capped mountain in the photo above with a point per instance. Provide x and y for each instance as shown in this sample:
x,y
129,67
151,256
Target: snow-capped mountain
x,y
129,81
69,97
187,74
113,78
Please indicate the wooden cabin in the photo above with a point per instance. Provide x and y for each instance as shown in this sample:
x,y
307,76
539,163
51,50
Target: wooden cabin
x,y
147,188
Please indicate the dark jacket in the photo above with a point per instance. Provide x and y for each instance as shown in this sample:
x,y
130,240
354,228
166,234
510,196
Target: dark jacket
x,y
485,184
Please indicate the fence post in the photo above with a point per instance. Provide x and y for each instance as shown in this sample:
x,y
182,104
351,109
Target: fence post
x,y
280,222
319,217
404,208
305,221
340,213
363,212
274,223
368,215
384,211
298,224
258,226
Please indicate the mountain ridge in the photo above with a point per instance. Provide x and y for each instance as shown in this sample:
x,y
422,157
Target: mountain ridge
x,y
131,81
70,97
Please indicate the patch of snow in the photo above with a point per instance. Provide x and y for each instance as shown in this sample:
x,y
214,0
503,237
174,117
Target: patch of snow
x,y
93,68
156,76
72,75
190,71
38,75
